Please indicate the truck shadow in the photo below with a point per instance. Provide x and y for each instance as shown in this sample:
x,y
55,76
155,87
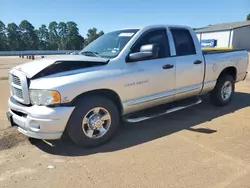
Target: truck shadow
x,y
130,135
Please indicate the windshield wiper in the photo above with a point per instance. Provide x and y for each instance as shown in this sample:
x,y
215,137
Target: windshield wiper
x,y
90,52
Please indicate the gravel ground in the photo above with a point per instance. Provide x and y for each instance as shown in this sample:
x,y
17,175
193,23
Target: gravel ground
x,y
203,146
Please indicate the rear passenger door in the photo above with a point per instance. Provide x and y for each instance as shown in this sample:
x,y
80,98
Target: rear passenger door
x,y
189,64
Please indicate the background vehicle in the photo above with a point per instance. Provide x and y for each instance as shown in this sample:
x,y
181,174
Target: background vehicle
x,y
128,73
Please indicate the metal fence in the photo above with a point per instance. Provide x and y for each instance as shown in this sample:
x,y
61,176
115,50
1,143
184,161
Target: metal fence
x,y
36,52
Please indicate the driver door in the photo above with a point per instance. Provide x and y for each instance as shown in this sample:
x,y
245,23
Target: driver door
x,y
150,82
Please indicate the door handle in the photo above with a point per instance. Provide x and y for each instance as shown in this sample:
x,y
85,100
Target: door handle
x,y
196,62
168,66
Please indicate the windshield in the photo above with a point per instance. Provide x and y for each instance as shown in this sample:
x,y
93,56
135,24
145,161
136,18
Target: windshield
x,y
110,44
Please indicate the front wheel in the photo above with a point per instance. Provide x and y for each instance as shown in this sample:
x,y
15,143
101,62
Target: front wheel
x,y
223,91
93,122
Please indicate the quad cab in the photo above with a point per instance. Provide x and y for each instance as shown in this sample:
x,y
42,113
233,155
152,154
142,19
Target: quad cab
x,y
130,74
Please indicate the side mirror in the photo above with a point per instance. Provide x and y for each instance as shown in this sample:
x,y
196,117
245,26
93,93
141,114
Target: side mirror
x,y
146,52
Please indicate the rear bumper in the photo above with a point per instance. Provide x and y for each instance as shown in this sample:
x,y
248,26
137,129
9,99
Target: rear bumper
x,y
39,121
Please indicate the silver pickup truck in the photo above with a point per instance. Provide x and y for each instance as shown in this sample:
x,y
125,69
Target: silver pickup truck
x,y
130,74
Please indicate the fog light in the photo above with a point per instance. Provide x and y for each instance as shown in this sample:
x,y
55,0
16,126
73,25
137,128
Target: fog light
x,y
34,126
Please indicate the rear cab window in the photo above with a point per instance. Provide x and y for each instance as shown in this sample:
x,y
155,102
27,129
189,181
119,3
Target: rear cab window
x,y
183,41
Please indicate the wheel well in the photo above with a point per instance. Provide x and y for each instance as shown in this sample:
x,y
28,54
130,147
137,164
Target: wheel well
x,y
107,93
229,71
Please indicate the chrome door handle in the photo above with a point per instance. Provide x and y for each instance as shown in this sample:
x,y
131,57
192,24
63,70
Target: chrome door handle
x,y
168,66
197,62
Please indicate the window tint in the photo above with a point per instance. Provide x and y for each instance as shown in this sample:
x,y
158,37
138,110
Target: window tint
x,y
184,44
159,37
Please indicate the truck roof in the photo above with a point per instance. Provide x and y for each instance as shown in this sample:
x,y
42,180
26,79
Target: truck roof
x,y
154,26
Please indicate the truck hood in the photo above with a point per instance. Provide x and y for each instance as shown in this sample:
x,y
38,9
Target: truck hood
x,y
59,64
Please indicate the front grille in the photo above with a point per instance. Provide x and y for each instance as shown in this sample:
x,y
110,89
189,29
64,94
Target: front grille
x,y
17,92
16,80
19,86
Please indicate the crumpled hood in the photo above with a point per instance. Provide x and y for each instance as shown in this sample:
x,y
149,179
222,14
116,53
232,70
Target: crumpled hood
x,y
32,68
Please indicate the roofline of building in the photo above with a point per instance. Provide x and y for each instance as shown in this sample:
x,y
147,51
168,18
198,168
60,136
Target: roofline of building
x,y
213,30
222,29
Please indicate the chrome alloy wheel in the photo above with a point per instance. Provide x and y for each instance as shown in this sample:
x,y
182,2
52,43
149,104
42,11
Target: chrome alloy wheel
x,y
226,90
96,122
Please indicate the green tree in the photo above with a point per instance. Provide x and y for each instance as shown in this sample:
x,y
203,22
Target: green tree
x,y
14,34
62,34
92,35
29,36
74,40
3,37
57,36
43,36
53,36
248,17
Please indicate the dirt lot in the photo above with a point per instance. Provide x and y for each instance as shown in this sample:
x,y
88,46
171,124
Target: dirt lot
x,y
203,146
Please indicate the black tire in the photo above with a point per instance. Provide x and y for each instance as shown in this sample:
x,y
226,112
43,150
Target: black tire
x,y
216,96
84,105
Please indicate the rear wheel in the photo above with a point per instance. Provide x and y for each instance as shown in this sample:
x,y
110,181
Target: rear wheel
x,y
93,122
223,91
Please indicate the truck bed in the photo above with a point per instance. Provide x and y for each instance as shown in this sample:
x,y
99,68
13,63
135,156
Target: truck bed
x,y
216,61
220,51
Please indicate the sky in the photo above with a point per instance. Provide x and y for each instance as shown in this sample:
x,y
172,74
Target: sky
x,y
108,15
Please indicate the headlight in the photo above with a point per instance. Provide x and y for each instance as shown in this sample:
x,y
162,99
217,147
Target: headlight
x,y
44,97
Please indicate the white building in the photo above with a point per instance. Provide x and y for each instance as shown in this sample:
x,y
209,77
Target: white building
x,y
234,35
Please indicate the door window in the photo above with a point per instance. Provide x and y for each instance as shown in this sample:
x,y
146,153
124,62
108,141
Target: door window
x,y
156,36
184,44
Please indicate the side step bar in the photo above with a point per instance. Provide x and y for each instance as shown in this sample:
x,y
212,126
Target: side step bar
x,y
146,117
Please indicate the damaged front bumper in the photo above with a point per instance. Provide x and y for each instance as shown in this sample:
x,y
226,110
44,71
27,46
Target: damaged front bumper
x,y
40,122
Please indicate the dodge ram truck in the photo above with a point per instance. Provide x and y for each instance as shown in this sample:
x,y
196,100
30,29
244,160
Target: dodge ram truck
x,y
130,74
